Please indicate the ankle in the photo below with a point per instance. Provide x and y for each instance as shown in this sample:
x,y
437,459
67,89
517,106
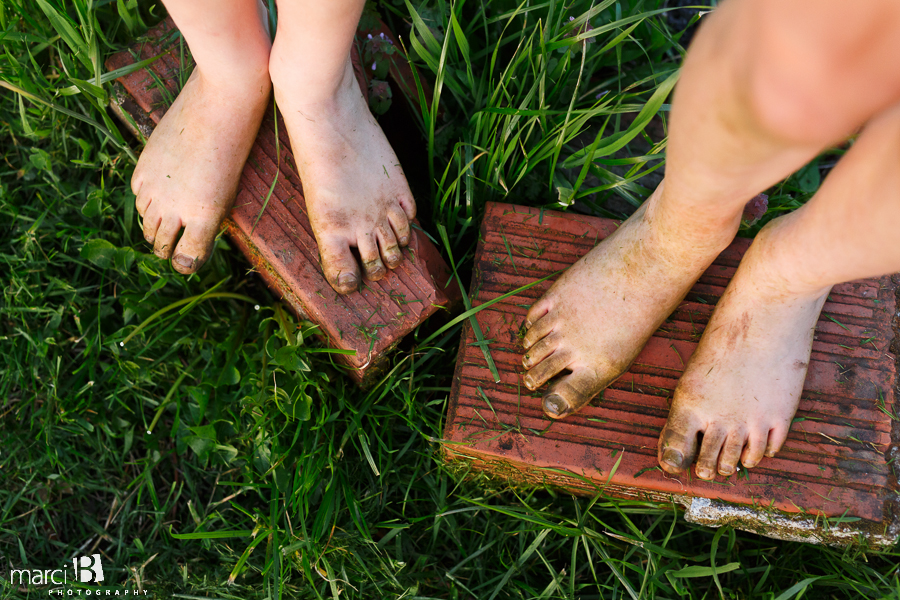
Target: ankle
x,y
311,87
779,269
704,231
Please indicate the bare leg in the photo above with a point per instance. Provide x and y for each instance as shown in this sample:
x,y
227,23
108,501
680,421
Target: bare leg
x,y
742,384
742,120
188,173
356,193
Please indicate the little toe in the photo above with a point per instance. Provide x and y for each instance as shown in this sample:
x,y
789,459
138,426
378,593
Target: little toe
x,y
371,259
708,460
755,448
731,453
164,241
537,312
777,437
537,331
540,351
572,392
151,223
142,203
548,368
400,224
390,250
408,204
194,247
677,443
340,268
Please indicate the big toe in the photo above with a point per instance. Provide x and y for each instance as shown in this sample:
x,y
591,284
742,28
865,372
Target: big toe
x,y
194,247
572,392
678,442
340,268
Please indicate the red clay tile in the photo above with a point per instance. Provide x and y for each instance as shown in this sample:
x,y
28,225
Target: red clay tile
x,y
281,246
835,463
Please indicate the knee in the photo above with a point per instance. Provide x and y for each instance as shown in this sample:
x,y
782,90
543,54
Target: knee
x,y
814,77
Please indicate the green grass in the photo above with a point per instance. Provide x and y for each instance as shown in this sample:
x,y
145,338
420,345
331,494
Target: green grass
x,y
191,431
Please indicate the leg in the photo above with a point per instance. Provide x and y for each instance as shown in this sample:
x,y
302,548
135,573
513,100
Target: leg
x,y
741,386
356,193
730,137
188,173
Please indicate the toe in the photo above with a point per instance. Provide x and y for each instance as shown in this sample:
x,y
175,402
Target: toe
x,y
543,372
708,460
572,392
755,448
137,179
151,225
408,205
731,453
164,241
777,437
678,442
340,268
540,351
371,259
400,224
390,250
194,247
537,331
536,312
142,203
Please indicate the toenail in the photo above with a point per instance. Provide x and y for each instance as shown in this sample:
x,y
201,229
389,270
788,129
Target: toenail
x,y
404,241
726,470
526,361
348,281
529,382
528,324
183,261
673,458
556,406
704,473
770,454
749,465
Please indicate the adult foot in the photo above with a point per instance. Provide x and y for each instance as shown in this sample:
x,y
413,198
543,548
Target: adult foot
x,y
188,173
355,190
740,389
597,317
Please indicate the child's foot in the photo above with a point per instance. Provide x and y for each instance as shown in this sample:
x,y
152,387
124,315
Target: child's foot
x,y
741,386
188,173
597,317
356,193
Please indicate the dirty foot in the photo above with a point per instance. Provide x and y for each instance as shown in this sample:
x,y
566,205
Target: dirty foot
x,y
597,317
355,190
188,173
741,387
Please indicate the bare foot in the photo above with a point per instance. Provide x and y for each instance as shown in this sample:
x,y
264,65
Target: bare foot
x,y
597,317
356,192
741,387
188,173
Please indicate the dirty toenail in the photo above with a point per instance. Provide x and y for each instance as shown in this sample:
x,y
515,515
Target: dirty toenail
x,y
183,261
556,406
749,464
528,324
404,240
704,473
770,454
529,382
348,281
673,458
526,361
726,470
